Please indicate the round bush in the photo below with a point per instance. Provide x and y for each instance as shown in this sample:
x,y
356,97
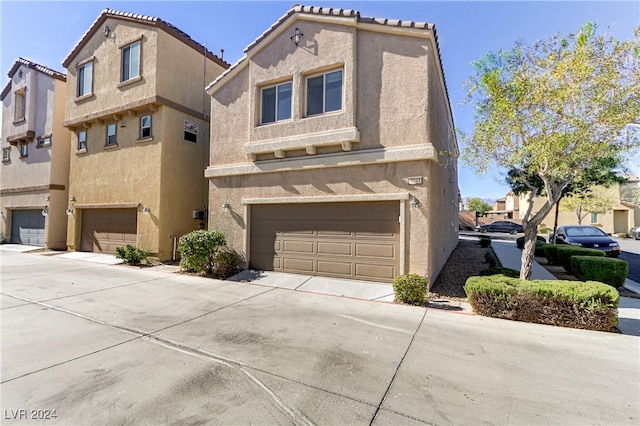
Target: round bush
x,y
410,289
198,250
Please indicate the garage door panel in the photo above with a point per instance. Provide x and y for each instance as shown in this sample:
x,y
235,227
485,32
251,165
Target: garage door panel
x,y
349,240
104,230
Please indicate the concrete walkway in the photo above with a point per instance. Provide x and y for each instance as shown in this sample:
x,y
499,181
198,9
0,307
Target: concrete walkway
x,y
510,256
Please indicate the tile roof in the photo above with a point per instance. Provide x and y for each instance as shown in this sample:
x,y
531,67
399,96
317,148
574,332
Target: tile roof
x,y
29,64
143,19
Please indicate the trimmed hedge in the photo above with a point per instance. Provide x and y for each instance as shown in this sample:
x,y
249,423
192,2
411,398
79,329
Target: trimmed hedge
x,y
586,305
604,269
485,241
410,288
520,241
565,252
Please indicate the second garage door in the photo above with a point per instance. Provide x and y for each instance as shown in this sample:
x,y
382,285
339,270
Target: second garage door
x,y
344,240
105,229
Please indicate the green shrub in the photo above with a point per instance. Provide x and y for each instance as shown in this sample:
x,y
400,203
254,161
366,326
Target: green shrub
x,y
604,269
3,238
226,263
508,272
491,259
544,230
565,252
485,241
539,249
520,241
551,253
198,250
588,305
131,255
410,289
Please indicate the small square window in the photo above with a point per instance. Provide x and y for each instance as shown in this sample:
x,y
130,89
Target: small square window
x,y
6,154
130,61
111,134
594,217
24,150
276,103
82,140
145,127
44,141
85,79
190,131
324,93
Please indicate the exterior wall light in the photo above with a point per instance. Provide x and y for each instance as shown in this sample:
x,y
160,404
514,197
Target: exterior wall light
x,y
69,212
72,198
146,210
414,203
45,211
297,35
225,206
106,30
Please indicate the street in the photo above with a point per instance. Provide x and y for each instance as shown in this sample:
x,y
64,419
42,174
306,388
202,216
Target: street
x,y
104,344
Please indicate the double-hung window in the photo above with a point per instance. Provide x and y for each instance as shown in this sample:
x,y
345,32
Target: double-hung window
x,y
145,127
276,103
82,140
324,93
20,105
111,134
24,150
85,79
6,154
130,61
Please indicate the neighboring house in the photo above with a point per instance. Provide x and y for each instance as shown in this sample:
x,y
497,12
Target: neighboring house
x,y
334,152
622,216
138,112
35,156
506,207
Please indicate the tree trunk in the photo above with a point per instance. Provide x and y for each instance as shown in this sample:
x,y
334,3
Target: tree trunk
x,y
528,253
555,221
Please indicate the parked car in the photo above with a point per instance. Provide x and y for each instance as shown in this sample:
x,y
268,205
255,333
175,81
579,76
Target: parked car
x,y
634,233
587,237
501,226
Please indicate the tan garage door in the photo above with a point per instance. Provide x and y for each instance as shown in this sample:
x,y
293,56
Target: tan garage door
x,y
105,229
344,240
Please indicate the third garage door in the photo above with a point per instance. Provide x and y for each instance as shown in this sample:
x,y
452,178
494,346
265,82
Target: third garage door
x,y
345,240
105,229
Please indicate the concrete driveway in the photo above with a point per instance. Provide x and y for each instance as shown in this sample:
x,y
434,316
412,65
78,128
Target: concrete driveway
x,y
111,344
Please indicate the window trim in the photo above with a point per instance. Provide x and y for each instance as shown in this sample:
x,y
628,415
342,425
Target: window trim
x,y
594,217
324,92
107,143
276,87
41,141
141,135
24,150
19,116
185,131
82,66
79,147
123,49
6,154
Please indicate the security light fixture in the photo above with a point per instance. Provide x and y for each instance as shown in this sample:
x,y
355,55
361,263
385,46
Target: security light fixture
x,y
45,211
69,212
72,198
225,206
106,31
414,203
297,35
146,210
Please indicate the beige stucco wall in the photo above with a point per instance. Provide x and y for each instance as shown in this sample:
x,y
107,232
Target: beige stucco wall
x,y
392,94
41,179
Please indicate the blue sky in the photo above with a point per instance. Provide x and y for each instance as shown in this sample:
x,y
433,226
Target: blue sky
x,y
45,32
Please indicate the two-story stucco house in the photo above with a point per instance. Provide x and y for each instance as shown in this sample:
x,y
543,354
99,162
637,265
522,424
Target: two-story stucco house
x,y
138,113
35,157
334,152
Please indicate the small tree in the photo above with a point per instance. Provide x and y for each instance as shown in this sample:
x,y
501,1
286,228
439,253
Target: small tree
x,y
479,206
594,200
548,111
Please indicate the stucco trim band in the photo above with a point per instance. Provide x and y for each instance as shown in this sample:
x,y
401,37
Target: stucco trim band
x,y
308,142
108,206
348,198
32,188
345,159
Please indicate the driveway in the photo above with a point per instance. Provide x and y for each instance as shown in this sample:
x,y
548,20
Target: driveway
x,y
105,344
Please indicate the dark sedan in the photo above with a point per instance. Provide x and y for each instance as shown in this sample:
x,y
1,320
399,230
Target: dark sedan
x,y
587,237
501,226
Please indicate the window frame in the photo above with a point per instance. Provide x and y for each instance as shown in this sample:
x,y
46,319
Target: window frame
x,y
24,150
324,92
276,110
43,141
6,154
143,127
594,217
114,136
82,144
81,89
190,132
19,105
124,50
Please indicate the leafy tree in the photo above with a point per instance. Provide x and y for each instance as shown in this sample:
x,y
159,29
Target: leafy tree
x,y
479,206
550,110
594,200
